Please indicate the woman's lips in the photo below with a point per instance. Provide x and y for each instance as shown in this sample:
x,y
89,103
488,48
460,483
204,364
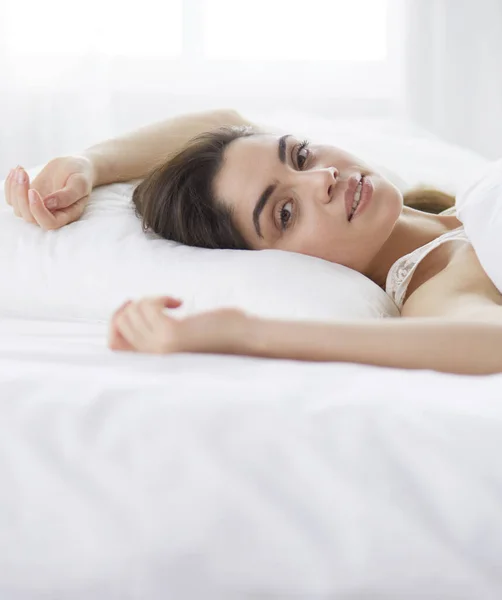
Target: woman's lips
x,y
367,190
352,184
366,196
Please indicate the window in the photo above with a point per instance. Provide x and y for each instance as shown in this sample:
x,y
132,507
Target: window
x,y
327,30
239,48
279,30
146,28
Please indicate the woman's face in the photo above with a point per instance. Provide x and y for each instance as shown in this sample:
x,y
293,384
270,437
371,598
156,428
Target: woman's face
x,y
289,196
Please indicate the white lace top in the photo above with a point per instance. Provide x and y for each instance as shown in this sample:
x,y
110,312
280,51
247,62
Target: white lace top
x,y
402,270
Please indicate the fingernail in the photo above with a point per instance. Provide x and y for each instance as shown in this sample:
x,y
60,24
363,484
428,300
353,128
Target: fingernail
x,y
51,203
21,176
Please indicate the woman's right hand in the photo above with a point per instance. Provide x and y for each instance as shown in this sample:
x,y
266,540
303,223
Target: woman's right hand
x,y
58,194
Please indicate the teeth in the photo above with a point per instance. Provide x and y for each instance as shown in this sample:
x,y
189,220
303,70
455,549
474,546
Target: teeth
x,y
357,196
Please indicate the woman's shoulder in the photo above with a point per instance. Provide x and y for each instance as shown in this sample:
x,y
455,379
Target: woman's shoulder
x,y
463,280
411,270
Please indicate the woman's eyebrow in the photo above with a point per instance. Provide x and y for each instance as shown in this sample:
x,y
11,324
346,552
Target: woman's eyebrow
x,y
282,148
260,205
263,199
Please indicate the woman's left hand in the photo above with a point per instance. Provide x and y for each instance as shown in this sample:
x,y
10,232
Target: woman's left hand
x,y
57,196
142,326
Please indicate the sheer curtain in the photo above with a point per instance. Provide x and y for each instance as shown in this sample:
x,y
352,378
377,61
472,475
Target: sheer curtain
x,y
74,74
454,70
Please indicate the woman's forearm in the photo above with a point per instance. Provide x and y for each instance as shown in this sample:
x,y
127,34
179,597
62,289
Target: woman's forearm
x,y
452,347
133,155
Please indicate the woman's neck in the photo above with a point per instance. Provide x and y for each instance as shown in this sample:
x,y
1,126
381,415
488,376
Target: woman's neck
x,y
412,230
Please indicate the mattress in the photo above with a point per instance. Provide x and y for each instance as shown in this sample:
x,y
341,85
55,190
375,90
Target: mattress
x,y
187,477
129,476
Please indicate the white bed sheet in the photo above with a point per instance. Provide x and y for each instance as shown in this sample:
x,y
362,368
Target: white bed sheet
x,y
199,477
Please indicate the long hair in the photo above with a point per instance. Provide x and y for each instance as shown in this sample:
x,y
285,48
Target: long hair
x,y
177,199
429,200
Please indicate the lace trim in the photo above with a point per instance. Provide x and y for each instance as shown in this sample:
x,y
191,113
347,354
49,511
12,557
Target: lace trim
x,y
401,271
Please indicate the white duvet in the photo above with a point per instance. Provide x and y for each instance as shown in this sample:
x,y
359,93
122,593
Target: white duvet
x,y
127,476
135,477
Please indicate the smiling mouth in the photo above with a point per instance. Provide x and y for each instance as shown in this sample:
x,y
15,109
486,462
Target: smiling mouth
x,y
357,197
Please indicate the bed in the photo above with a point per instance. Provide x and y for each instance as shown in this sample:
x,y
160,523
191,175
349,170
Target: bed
x,y
129,476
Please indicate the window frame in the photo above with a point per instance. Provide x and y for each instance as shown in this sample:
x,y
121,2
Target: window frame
x,y
190,74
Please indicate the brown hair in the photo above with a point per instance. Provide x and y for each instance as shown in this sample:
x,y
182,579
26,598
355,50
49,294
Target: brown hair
x,y
429,200
177,199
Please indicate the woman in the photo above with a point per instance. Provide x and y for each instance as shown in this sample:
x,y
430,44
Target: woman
x,y
240,188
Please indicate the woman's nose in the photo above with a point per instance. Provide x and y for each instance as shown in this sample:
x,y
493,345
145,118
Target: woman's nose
x,y
324,183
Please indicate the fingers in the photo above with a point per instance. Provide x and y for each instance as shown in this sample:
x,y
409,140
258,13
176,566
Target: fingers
x,y
64,216
20,186
137,318
42,215
131,333
151,311
116,340
67,204
120,309
143,324
76,188
113,320
170,302
49,220
18,194
128,328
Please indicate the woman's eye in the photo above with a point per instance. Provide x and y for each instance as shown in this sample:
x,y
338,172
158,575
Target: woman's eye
x,y
302,155
285,214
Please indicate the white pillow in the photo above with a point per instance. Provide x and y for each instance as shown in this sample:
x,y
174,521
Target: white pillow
x,y
479,207
87,269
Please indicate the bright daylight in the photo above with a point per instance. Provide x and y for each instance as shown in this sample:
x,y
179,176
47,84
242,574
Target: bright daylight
x,y
251,311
